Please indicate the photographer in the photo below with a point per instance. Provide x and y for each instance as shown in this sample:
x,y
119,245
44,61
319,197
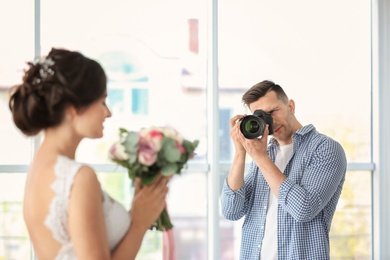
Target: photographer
x,y
290,192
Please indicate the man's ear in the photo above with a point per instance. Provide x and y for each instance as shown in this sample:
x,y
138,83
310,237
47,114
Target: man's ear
x,y
291,106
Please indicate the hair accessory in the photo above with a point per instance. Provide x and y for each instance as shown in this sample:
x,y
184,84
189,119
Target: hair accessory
x,y
45,69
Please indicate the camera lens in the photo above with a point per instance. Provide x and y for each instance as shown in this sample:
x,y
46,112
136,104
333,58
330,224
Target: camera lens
x,y
252,126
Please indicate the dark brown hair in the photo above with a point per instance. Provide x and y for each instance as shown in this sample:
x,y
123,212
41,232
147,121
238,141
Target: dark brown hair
x,y
260,90
50,85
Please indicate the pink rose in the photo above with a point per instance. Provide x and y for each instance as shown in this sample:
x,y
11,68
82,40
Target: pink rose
x,y
153,136
147,155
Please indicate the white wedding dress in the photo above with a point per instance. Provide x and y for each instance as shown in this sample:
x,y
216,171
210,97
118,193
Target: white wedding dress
x,y
116,217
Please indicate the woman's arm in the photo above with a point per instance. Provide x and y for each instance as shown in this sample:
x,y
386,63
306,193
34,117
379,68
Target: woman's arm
x,y
86,220
148,203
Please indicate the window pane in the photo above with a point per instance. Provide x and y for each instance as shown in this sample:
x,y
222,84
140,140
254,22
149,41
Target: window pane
x,y
153,59
140,101
14,242
323,64
187,205
319,52
350,235
187,208
16,47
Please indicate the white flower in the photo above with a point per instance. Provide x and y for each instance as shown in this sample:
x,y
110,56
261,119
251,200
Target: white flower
x,y
117,152
172,133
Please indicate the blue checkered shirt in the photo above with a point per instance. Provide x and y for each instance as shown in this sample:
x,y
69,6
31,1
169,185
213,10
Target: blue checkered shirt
x,y
306,202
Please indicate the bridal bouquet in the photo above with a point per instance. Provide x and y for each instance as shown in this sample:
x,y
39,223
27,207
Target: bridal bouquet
x,y
152,151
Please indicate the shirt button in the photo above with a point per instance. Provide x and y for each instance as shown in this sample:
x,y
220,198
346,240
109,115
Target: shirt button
x,y
262,227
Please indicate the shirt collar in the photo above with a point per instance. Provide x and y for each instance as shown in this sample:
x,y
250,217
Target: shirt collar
x,y
297,136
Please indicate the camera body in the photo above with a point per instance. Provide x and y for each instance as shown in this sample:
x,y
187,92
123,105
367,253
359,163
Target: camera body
x,y
252,126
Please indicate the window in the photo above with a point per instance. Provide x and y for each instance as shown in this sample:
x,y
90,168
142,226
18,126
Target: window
x,y
139,101
155,56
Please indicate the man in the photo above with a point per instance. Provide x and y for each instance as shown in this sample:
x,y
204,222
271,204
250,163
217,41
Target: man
x,y
290,192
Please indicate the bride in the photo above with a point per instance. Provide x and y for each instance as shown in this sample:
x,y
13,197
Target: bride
x,y
68,215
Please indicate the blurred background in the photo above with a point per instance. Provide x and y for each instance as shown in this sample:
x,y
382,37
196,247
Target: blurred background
x,y
186,64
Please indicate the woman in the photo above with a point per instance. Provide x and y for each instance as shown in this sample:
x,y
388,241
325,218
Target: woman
x,y
67,214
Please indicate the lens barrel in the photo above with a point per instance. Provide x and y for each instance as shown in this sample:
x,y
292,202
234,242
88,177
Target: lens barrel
x,y
252,126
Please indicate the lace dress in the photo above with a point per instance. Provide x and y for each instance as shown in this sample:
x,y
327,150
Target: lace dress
x,y
116,218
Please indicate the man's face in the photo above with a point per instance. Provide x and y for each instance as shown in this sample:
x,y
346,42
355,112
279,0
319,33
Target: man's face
x,y
282,114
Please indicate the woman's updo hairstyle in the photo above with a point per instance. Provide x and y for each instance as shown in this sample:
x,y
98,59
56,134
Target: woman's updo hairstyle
x,y
50,85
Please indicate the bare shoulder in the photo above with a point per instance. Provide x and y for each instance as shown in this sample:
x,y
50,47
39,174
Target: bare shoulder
x,y
86,174
86,183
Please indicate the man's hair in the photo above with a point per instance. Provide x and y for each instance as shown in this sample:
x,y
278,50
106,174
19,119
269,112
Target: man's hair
x,y
260,90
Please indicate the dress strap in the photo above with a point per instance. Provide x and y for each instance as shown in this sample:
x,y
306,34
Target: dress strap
x,y
57,220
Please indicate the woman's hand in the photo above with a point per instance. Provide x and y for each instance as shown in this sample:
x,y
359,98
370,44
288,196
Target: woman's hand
x,y
149,201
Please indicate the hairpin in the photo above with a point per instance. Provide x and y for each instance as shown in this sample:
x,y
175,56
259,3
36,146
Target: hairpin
x,y
45,69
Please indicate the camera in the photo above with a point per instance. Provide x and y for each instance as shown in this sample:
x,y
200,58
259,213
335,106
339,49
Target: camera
x,y
252,126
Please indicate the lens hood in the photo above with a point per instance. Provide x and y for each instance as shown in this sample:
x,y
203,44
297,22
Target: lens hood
x,y
252,126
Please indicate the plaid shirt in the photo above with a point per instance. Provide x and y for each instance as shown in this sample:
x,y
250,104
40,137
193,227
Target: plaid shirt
x,y
306,202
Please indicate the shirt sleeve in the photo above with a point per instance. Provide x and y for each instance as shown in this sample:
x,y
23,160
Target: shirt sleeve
x,y
235,204
320,181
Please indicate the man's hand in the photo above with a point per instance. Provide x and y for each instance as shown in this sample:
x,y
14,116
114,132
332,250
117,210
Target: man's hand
x,y
256,148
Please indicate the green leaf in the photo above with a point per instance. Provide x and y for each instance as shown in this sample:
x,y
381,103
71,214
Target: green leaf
x,y
169,150
122,131
169,169
172,155
131,142
132,175
190,146
146,180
